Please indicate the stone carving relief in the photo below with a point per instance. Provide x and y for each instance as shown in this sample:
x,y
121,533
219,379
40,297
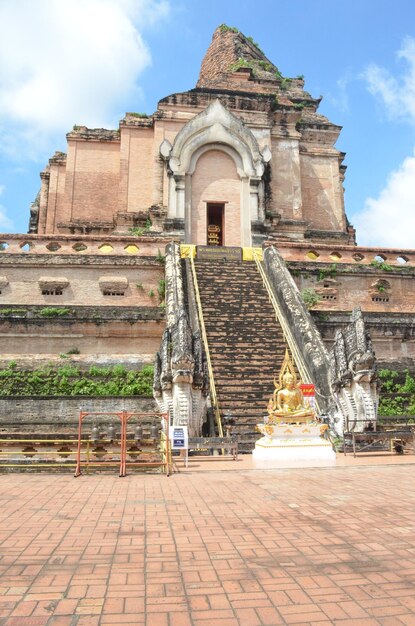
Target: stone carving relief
x,y
34,214
295,315
354,376
181,382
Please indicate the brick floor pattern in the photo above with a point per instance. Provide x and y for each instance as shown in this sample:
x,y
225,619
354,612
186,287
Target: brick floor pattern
x,y
251,548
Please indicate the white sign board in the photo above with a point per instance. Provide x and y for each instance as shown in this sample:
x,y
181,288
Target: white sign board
x,y
180,440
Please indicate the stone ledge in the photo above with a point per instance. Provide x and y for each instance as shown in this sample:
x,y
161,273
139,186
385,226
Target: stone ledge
x,y
110,260
31,314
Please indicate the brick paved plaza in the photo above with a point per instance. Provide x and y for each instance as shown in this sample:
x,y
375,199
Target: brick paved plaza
x,y
247,547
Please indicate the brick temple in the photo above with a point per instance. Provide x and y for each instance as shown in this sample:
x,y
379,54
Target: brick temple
x,y
243,161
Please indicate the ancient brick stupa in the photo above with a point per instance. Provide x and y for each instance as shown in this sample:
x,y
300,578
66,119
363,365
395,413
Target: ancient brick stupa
x,y
244,162
245,137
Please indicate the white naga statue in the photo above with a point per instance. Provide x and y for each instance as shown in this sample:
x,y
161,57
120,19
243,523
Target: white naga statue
x,y
181,381
354,378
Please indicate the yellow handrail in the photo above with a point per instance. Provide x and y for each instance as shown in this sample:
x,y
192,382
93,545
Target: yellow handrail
x,y
288,336
205,342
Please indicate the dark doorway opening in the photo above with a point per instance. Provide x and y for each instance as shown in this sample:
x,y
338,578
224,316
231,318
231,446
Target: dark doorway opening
x,y
215,224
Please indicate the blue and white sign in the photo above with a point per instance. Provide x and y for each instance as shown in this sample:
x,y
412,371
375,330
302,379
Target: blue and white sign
x,y
179,438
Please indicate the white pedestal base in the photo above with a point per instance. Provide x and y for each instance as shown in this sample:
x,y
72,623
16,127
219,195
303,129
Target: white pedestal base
x,y
290,449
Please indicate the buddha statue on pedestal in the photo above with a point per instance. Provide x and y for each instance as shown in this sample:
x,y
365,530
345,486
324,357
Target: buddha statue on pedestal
x,y
287,403
292,431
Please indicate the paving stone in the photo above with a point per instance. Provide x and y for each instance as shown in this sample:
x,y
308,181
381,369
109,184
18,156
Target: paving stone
x,y
263,522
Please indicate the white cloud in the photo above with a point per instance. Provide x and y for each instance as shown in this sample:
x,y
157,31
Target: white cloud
x,y
340,98
389,220
68,61
5,223
398,94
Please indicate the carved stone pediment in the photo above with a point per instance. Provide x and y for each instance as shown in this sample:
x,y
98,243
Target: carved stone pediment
x,y
215,125
115,283
53,282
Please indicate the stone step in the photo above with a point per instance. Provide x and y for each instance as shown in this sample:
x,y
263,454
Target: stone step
x,y
246,343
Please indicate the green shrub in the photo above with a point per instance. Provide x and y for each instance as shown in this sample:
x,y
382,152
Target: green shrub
x,y
329,272
160,258
398,397
68,380
51,311
10,311
381,265
224,28
310,297
137,231
161,288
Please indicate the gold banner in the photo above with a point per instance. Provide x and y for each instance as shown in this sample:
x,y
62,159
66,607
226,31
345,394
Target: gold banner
x,y
248,254
187,251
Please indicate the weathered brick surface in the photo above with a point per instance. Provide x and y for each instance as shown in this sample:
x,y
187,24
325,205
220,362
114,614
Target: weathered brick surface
x,y
357,288
242,548
45,414
140,169
321,192
94,335
84,287
95,181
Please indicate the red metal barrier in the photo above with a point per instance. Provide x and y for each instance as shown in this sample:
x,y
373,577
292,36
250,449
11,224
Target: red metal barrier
x,y
124,417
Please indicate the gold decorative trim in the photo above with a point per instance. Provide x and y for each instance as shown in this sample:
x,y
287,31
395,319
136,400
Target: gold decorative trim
x,y
187,251
248,254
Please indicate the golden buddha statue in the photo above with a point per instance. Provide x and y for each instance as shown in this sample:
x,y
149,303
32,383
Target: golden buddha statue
x,y
287,403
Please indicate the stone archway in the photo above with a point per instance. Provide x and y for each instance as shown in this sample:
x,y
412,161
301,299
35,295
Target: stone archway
x,y
215,131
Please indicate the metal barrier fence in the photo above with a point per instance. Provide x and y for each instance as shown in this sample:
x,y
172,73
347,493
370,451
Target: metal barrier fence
x,y
145,448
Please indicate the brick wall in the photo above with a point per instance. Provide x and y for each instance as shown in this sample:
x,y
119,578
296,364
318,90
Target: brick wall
x,y
96,179
96,335
358,288
140,169
60,414
285,181
84,287
321,192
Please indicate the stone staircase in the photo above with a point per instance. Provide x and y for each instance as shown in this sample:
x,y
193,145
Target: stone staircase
x,y
246,342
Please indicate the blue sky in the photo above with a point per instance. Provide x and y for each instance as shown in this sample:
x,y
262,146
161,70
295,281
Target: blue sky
x,y
88,61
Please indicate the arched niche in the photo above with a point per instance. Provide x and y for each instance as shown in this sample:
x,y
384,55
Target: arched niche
x,y
215,185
